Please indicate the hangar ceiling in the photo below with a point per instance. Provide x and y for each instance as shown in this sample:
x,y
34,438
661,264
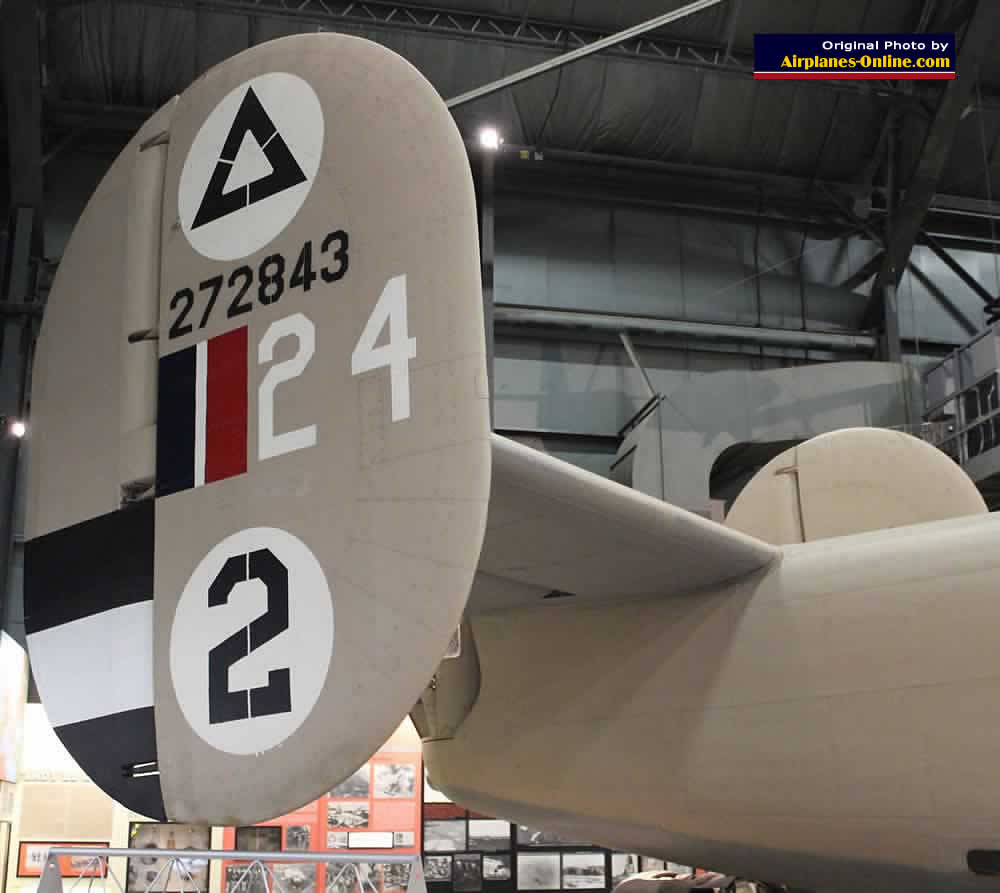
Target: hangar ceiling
x,y
685,95
679,103
672,119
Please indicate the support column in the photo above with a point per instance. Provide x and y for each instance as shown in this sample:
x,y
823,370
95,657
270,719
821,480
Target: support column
x,y
890,304
487,254
20,59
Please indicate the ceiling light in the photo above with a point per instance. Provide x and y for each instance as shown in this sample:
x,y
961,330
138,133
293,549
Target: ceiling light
x,y
489,138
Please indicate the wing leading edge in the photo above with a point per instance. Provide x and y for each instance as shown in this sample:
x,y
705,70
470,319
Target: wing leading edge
x,y
554,528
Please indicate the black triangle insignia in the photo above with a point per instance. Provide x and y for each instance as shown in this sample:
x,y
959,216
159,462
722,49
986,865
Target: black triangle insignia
x,y
285,171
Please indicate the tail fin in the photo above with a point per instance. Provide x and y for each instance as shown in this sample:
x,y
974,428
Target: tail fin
x,y
311,353
259,497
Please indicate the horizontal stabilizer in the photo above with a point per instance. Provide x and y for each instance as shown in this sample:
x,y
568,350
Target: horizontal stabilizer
x,y
556,529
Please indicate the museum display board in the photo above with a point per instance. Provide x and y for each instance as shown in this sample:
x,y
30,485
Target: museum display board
x,y
13,684
152,872
465,852
32,853
375,810
387,806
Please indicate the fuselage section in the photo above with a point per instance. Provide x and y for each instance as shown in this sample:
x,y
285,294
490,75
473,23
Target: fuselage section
x,y
832,715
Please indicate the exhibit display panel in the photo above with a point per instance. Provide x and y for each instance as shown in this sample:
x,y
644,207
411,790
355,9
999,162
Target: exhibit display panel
x,y
467,852
4,853
376,809
13,683
55,805
32,853
152,870
388,807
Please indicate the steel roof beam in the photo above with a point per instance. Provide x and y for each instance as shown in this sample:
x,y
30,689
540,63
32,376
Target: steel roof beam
x,y
980,37
588,49
456,24
872,311
958,270
616,323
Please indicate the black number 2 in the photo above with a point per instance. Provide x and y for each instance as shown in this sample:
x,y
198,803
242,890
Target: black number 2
x,y
236,307
225,705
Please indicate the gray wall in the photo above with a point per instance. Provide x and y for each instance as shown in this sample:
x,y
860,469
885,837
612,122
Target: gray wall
x,y
648,262
639,261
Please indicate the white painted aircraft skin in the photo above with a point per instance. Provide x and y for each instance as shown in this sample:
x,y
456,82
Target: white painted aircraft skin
x,y
817,714
827,722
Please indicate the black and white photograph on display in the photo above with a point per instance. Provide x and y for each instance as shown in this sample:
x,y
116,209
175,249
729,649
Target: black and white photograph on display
x,y
496,867
367,877
347,815
339,883
297,837
467,873
489,835
403,838
444,836
437,869
623,865
336,840
188,874
431,793
355,787
395,877
538,871
343,879
259,839
248,878
583,871
294,877
535,837
395,780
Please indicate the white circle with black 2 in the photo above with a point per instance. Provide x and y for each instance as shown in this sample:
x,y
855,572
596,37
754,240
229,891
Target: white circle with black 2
x,y
251,166
252,640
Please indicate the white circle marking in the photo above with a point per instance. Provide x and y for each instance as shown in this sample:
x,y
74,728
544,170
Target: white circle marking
x,y
294,109
305,647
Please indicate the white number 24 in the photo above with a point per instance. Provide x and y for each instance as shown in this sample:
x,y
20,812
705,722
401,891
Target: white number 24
x,y
396,354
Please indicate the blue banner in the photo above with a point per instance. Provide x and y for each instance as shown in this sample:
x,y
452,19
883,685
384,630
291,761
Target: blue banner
x,y
854,56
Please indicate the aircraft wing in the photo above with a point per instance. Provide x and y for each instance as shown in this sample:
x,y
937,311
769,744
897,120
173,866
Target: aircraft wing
x,y
556,529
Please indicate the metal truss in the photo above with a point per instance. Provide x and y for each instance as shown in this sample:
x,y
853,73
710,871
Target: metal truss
x,y
171,870
454,24
457,24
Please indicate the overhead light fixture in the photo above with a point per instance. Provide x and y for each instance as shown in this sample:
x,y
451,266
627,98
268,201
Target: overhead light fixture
x,y
17,428
489,138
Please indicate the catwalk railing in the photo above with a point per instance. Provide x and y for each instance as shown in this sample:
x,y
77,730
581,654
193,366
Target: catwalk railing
x,y
181,871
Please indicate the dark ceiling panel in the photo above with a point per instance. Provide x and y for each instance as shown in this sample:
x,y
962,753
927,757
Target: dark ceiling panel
x,y
966,170
120,53
724,121
219,36
133,54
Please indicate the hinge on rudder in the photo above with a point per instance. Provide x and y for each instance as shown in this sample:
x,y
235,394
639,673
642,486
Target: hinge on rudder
x,y
452,691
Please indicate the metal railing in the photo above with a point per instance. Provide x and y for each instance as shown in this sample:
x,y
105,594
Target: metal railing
x,y
255,871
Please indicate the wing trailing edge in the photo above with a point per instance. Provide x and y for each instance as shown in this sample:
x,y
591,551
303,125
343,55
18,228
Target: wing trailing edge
x,y
555,529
